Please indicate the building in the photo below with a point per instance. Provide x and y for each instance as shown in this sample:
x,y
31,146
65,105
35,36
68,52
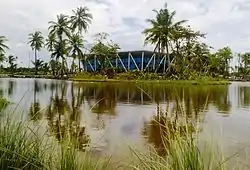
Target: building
x,y
131,60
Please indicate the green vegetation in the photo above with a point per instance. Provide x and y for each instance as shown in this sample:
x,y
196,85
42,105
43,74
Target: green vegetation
x,y
139,77
36,43
3,104
22,147
187,56
173,132
3,48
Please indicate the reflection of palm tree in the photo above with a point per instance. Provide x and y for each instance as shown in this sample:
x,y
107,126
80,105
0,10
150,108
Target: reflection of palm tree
x,y
35,111
11,87
219,95
163,128
244,96
35,107
3,102
64,120
186,105
105,100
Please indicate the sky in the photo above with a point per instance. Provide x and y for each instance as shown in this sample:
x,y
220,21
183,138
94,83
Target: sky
x,y
226,22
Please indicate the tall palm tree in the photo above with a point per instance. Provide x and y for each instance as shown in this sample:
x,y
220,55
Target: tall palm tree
x,y
161,30
60,28
81,19
60,50
3,47
76,44
50,41
36,42
2,58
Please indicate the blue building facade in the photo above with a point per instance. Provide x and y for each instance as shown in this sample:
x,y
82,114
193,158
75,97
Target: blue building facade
x,y
131,60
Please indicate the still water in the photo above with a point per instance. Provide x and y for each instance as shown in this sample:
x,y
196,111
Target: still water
x,y
111,117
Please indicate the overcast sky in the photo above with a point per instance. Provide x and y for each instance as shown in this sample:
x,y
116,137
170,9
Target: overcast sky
x,y
226,22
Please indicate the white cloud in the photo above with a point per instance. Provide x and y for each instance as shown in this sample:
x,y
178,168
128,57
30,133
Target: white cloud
x,y
225,22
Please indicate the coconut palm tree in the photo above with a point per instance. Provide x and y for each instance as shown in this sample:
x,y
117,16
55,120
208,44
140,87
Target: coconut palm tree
x,y
80,19
38,64
59,31
11,60
61,50
2,58
79,22
60,28
161,30
76,44
3,47
36,41
50,41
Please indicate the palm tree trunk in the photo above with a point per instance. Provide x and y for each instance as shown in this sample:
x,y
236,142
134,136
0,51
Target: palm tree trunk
x,y
79,64
36,61
79,59
169,64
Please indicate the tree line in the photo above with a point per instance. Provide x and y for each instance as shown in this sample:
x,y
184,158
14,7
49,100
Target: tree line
x,y
187,55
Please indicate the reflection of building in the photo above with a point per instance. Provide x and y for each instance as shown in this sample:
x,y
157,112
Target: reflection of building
x,y
131,60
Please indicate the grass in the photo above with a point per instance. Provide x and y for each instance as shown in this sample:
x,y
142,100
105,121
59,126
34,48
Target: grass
x,y
180,141
147,78
3,104
168,82
182,153
24,148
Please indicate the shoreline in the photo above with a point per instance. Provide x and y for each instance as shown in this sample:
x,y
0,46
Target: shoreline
x,y
165,82
132,81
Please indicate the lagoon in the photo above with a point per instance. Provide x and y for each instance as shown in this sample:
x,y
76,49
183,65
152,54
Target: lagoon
x,y
112,117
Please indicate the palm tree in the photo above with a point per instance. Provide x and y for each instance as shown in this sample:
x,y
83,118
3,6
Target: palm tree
x,y
50,41
58,31
60,50
46,67
161,30
3,47
59,28
36,43
38,63
11,60
2,58
76,44
81,19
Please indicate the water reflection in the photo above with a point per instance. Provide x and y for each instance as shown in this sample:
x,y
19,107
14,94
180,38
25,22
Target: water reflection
x,y
11,87
35,112
64,106
64,117
183,113
244,96
161,129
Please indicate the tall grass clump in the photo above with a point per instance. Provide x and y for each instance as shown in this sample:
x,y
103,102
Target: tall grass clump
x,y
71,159
181,147
22,147
3,104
